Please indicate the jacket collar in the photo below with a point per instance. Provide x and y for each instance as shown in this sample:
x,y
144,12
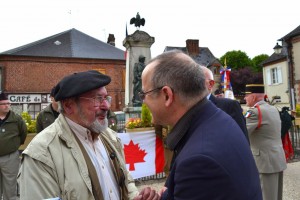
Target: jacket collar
x,y
181,127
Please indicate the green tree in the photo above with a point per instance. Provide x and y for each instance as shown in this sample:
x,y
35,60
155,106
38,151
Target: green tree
x,y
257,60
236,59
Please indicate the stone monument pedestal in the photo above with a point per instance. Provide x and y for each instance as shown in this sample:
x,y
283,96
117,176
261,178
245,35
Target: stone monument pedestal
x,y
137,44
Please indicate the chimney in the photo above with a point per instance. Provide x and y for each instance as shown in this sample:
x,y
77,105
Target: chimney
x,y
111,39
192,47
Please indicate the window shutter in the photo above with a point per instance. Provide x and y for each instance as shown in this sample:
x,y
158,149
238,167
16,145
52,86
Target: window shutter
x,y
279,74
268,77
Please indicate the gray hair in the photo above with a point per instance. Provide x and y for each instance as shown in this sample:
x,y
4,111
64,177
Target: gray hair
x,y
60,108
180,72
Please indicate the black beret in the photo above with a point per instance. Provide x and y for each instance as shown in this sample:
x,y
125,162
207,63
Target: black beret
x,y
255,88
78,83
3,96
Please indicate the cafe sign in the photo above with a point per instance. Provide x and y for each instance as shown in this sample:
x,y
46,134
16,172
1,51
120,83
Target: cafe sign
x,y
26,98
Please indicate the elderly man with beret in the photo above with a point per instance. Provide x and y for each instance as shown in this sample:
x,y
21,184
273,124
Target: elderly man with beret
x,y
71,158
264,129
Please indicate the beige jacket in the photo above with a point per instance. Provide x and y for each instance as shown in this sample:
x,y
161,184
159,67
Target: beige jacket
x,y
53,166
265,141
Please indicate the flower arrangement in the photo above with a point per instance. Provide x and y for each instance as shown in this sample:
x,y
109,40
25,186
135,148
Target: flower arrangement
x,y
134,123
31,124
144,121
297,110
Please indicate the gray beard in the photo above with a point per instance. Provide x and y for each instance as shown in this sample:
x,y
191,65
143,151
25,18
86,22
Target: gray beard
x,y
99,125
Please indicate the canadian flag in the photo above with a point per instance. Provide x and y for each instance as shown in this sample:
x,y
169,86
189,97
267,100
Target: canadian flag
x,y
144,153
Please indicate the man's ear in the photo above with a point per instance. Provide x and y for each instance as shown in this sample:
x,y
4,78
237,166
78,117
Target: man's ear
x,y
68,105
168,95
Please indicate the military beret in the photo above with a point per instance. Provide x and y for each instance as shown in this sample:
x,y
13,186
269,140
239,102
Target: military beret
x,y
78,83
3,96
255,88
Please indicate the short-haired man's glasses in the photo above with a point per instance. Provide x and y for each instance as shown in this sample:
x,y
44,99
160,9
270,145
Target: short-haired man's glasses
x,y
142,94
5,104
98,100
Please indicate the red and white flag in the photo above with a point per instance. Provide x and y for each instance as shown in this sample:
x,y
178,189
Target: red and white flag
x,y
144,153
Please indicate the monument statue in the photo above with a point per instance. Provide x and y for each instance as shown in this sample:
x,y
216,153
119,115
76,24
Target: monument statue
x,y
137,80
137,21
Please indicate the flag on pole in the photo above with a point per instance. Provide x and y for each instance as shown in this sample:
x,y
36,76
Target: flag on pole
x,y
225,77
144,153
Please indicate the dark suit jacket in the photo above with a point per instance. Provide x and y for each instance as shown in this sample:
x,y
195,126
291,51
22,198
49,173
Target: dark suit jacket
x,y
232,108
213,159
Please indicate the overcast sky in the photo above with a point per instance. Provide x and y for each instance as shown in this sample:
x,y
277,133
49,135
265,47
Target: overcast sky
x,y
250,26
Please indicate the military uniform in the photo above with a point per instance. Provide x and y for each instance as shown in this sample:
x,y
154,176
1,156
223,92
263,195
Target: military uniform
x,y
46,117
264,125
13,133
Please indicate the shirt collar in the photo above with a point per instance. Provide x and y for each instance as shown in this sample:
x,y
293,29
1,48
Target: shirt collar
x,y
79,130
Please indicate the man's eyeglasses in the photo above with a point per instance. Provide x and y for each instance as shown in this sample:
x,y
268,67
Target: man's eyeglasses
x,y
142,94
98,99
5,104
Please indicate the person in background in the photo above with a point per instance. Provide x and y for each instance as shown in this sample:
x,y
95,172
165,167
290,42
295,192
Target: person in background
x,y
264,129
70,158
212,158
13,132
48,115
112,120
231,107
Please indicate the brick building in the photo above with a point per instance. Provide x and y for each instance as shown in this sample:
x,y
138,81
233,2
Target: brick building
x,y
29,72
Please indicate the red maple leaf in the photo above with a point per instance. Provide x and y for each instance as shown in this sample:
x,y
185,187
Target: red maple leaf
x,y
133,154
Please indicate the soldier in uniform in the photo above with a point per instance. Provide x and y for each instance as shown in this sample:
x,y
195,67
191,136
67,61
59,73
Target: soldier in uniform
x,y
264,129
48,115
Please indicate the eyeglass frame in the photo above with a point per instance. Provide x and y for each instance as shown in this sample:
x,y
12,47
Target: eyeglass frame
x,y
5,104
143,94
99,99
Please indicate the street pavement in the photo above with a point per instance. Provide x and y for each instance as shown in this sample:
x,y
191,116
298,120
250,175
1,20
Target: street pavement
x,y
291,181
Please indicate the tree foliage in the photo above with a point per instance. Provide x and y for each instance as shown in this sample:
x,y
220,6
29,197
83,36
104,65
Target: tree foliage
x,y
239,78
236,59
257,60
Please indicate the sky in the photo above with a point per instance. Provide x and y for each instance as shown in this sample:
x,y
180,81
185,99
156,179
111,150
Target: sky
x,y
250,26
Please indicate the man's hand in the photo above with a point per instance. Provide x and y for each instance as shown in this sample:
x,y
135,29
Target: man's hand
x,y
148,193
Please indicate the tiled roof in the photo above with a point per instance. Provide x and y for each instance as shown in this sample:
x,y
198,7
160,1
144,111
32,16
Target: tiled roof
x,y
273,58
205,58
293,33
69,44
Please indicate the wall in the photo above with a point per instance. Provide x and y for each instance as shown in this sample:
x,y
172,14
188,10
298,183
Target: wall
x,y
278,89
38,75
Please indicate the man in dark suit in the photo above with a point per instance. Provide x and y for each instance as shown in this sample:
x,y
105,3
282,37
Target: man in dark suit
x,y
212,158
231,107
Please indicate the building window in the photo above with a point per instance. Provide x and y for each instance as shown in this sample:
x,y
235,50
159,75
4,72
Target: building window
x,y
274,76
33,110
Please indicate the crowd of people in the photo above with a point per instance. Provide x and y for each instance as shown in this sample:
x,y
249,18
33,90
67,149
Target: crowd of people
x,y
213,151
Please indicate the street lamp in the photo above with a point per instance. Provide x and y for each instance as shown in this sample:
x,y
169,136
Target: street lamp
x,y
277,48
